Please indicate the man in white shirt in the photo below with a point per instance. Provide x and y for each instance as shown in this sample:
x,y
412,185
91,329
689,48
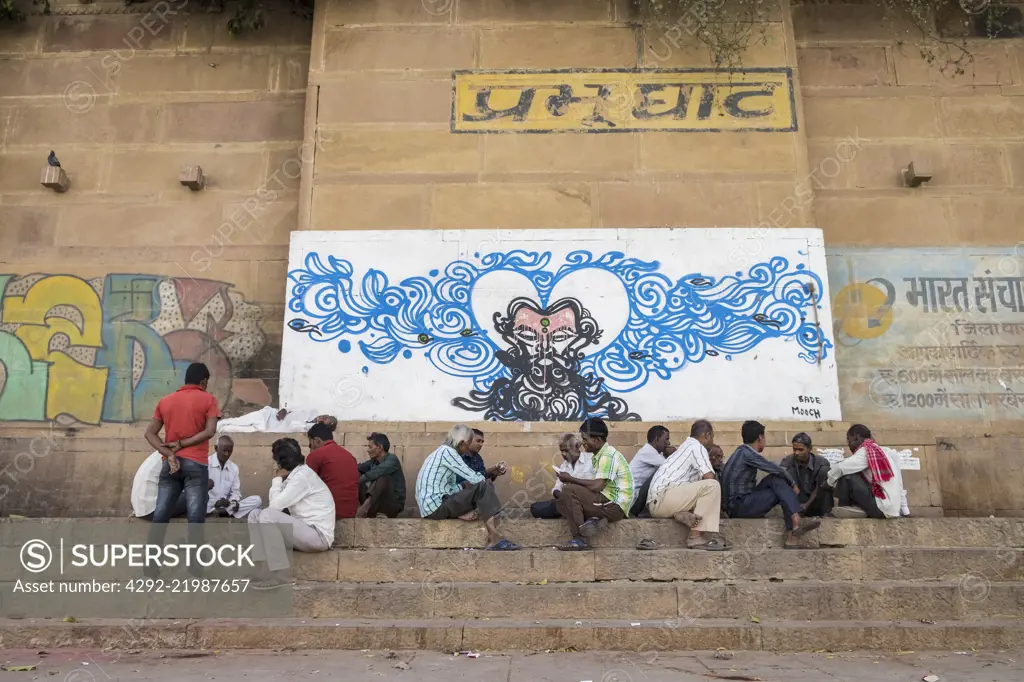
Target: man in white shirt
x,y
869,483
269,420
225,497
310,508
145,487
685,489
576,463
645,463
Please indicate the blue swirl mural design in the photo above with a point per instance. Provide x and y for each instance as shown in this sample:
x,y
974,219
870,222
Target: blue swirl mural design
x,y
529,363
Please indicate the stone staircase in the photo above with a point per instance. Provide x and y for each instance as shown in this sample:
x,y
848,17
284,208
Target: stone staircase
x,y
908,584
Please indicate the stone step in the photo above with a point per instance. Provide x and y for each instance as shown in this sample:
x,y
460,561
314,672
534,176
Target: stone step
x,y
805,600
536,565
746,534
531,635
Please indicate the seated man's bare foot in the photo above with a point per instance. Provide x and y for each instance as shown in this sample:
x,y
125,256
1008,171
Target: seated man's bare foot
x,y
470,516
363,510
688,519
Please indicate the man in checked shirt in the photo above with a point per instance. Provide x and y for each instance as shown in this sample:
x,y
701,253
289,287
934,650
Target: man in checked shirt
x,y
746,499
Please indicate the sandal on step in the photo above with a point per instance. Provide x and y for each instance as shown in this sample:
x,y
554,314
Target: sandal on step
x,y
806,526
575,545
504,545
647,544
712,545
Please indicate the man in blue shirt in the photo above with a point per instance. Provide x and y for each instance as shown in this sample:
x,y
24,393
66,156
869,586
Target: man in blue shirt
x,y
475,462
747,499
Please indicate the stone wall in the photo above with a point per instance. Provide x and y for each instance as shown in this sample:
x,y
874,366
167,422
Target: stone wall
x,y
862,74
387,114
381,71
134,275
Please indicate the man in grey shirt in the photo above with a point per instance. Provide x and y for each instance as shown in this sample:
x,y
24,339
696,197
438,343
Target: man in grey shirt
x,y
645,463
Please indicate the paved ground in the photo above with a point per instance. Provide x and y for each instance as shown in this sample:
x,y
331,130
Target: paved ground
x,y
67,665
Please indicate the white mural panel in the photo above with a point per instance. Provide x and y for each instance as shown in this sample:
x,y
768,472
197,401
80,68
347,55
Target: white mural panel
x,y
532,325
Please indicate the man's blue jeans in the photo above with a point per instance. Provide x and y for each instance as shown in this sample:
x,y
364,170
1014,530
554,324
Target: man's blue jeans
x,y
772,490
192,479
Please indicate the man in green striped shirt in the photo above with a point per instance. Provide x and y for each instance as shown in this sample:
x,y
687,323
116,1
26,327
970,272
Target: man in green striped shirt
x,y
588,505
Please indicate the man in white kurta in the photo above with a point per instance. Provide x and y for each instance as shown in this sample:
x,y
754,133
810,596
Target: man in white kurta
x,y
145,487
576,462
310,506
269,420
860,491
226,494
147,478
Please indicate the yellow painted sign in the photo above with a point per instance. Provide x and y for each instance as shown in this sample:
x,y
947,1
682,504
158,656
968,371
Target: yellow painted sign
x,y
623,101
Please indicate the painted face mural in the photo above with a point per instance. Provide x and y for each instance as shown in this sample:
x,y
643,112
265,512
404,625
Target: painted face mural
x,y
431,332
546,382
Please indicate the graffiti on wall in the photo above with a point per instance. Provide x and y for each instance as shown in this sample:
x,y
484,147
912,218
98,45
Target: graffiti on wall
x,y
106,349
937,337
624,101
541,331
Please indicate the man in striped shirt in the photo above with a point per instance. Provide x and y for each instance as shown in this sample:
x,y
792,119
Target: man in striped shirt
x,y
684,488
588,506
440,497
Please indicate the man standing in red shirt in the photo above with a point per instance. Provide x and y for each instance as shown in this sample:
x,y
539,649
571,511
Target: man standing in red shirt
x,y
189,420
336,467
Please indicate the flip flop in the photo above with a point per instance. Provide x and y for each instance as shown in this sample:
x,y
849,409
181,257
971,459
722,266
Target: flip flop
x,y
504,545
714,545
647,544
575,545
806,526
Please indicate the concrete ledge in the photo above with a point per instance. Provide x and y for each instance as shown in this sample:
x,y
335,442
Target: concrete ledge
x,y
745,534
535,565
455,635
750,535
809,600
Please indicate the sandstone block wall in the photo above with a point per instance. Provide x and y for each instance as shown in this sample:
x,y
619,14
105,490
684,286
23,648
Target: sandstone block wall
x,y
345,123
125,97
381,72
862,73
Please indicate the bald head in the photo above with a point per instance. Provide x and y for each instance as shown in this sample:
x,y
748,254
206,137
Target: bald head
x,y
224,448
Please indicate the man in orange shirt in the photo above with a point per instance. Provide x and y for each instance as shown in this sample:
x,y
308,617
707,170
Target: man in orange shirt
x,y
189,420
336,467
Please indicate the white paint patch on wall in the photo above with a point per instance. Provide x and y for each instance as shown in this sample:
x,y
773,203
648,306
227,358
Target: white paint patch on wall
x,y
532,325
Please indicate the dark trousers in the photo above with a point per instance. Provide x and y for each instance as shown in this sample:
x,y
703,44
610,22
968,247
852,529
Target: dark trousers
x,y
382,498
548,509
854,491
480,496
772,490
192,480
576,504
822,504
180,509
640,503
